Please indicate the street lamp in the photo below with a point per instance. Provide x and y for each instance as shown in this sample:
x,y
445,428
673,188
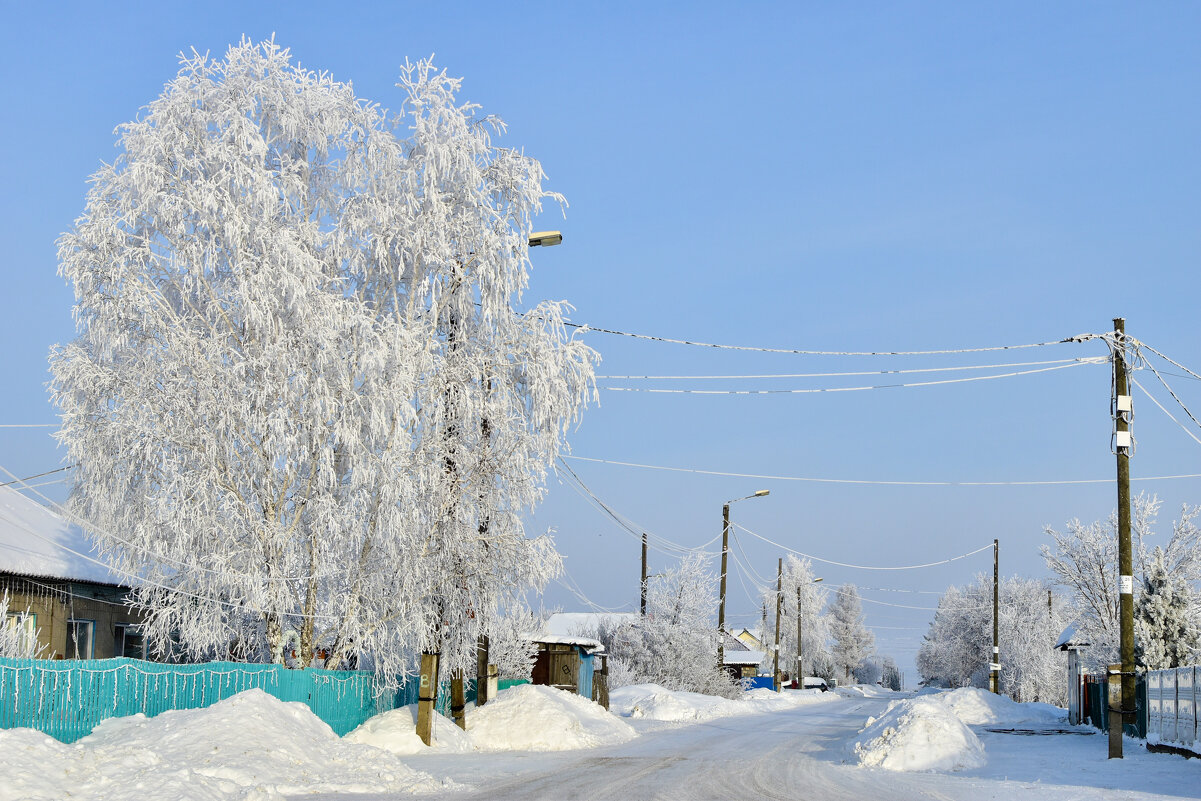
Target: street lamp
x,y
545,238
725,549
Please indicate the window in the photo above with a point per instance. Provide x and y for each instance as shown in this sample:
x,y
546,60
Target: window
x,y
127,641
27,624
79,638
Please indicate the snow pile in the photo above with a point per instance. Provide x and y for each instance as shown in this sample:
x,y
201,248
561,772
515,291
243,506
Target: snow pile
x,y
654,702
977,707
396,731
863,691
918,734
250,747
535,718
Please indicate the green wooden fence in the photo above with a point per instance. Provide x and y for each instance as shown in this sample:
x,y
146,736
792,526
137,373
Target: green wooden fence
x,y
67,698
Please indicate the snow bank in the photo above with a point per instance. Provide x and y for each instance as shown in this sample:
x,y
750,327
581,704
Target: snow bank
x,y
654,702
863,691
251,747
535,718
918,734
396,731
977,707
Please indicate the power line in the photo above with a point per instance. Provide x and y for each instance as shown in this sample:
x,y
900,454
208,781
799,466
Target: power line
x,y
842,374
862,567
1076,339
812,479
28,425
818,390
38,475
1171,417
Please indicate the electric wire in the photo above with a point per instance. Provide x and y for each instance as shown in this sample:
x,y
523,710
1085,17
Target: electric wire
x,y
669,340
812,479
843,374
1171,392
39,475
1171,417
1140,344
821,390
863,567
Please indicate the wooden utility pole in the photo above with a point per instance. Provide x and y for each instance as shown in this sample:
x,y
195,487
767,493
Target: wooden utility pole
x,y
994,668
721,604
482,655
1123,410
800,673
458,700
427,697
642,606
779,605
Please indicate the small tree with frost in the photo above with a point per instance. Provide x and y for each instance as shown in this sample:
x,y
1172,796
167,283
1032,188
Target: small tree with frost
x,y
853,642
17,640
1166,633
303,394
675,645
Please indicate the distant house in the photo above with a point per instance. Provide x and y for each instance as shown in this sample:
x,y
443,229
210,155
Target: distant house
x,y
739,660
750,640
58,587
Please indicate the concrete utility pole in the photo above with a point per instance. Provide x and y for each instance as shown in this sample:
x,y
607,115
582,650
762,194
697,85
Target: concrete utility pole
x,y
643,603
779,605
994,668
1123,410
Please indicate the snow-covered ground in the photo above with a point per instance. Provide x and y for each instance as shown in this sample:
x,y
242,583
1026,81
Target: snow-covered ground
x,y
858,743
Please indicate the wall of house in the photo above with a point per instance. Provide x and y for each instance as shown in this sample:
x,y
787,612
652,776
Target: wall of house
x,y
54,603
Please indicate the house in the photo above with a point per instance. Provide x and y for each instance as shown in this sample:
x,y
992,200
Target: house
x,y
1073,643
750,640
740,661
59,590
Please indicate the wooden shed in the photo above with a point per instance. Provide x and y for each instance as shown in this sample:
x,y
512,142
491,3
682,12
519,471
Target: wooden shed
x,y
1073,643
571,663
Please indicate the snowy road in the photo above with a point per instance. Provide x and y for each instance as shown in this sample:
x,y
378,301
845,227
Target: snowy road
x,y
799,754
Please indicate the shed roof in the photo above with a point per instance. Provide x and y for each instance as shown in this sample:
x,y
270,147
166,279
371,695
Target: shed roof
x,y
587,643
570,624
1070,640
37,542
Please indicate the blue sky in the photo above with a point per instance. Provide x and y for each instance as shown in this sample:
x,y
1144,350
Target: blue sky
x,y
799,176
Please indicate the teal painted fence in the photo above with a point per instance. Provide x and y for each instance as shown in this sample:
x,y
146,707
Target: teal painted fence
x,y
67,698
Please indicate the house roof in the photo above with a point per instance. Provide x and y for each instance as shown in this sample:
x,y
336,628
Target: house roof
x,y
570,624
36,542
743,658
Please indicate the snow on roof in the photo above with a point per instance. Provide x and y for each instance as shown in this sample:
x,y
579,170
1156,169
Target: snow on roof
x,y
587,643
567,624
743,657
1069,639
35,541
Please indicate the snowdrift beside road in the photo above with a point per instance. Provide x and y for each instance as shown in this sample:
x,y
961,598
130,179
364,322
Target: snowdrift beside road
x,y
251,747
654,702
918,734
396,731
535,718
977,707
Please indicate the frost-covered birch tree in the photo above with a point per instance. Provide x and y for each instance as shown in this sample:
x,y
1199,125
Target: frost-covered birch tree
x,y
303,397
853,641
675,645
957,648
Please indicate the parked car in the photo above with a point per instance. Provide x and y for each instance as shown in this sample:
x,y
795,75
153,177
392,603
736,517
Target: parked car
x,y
816,683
